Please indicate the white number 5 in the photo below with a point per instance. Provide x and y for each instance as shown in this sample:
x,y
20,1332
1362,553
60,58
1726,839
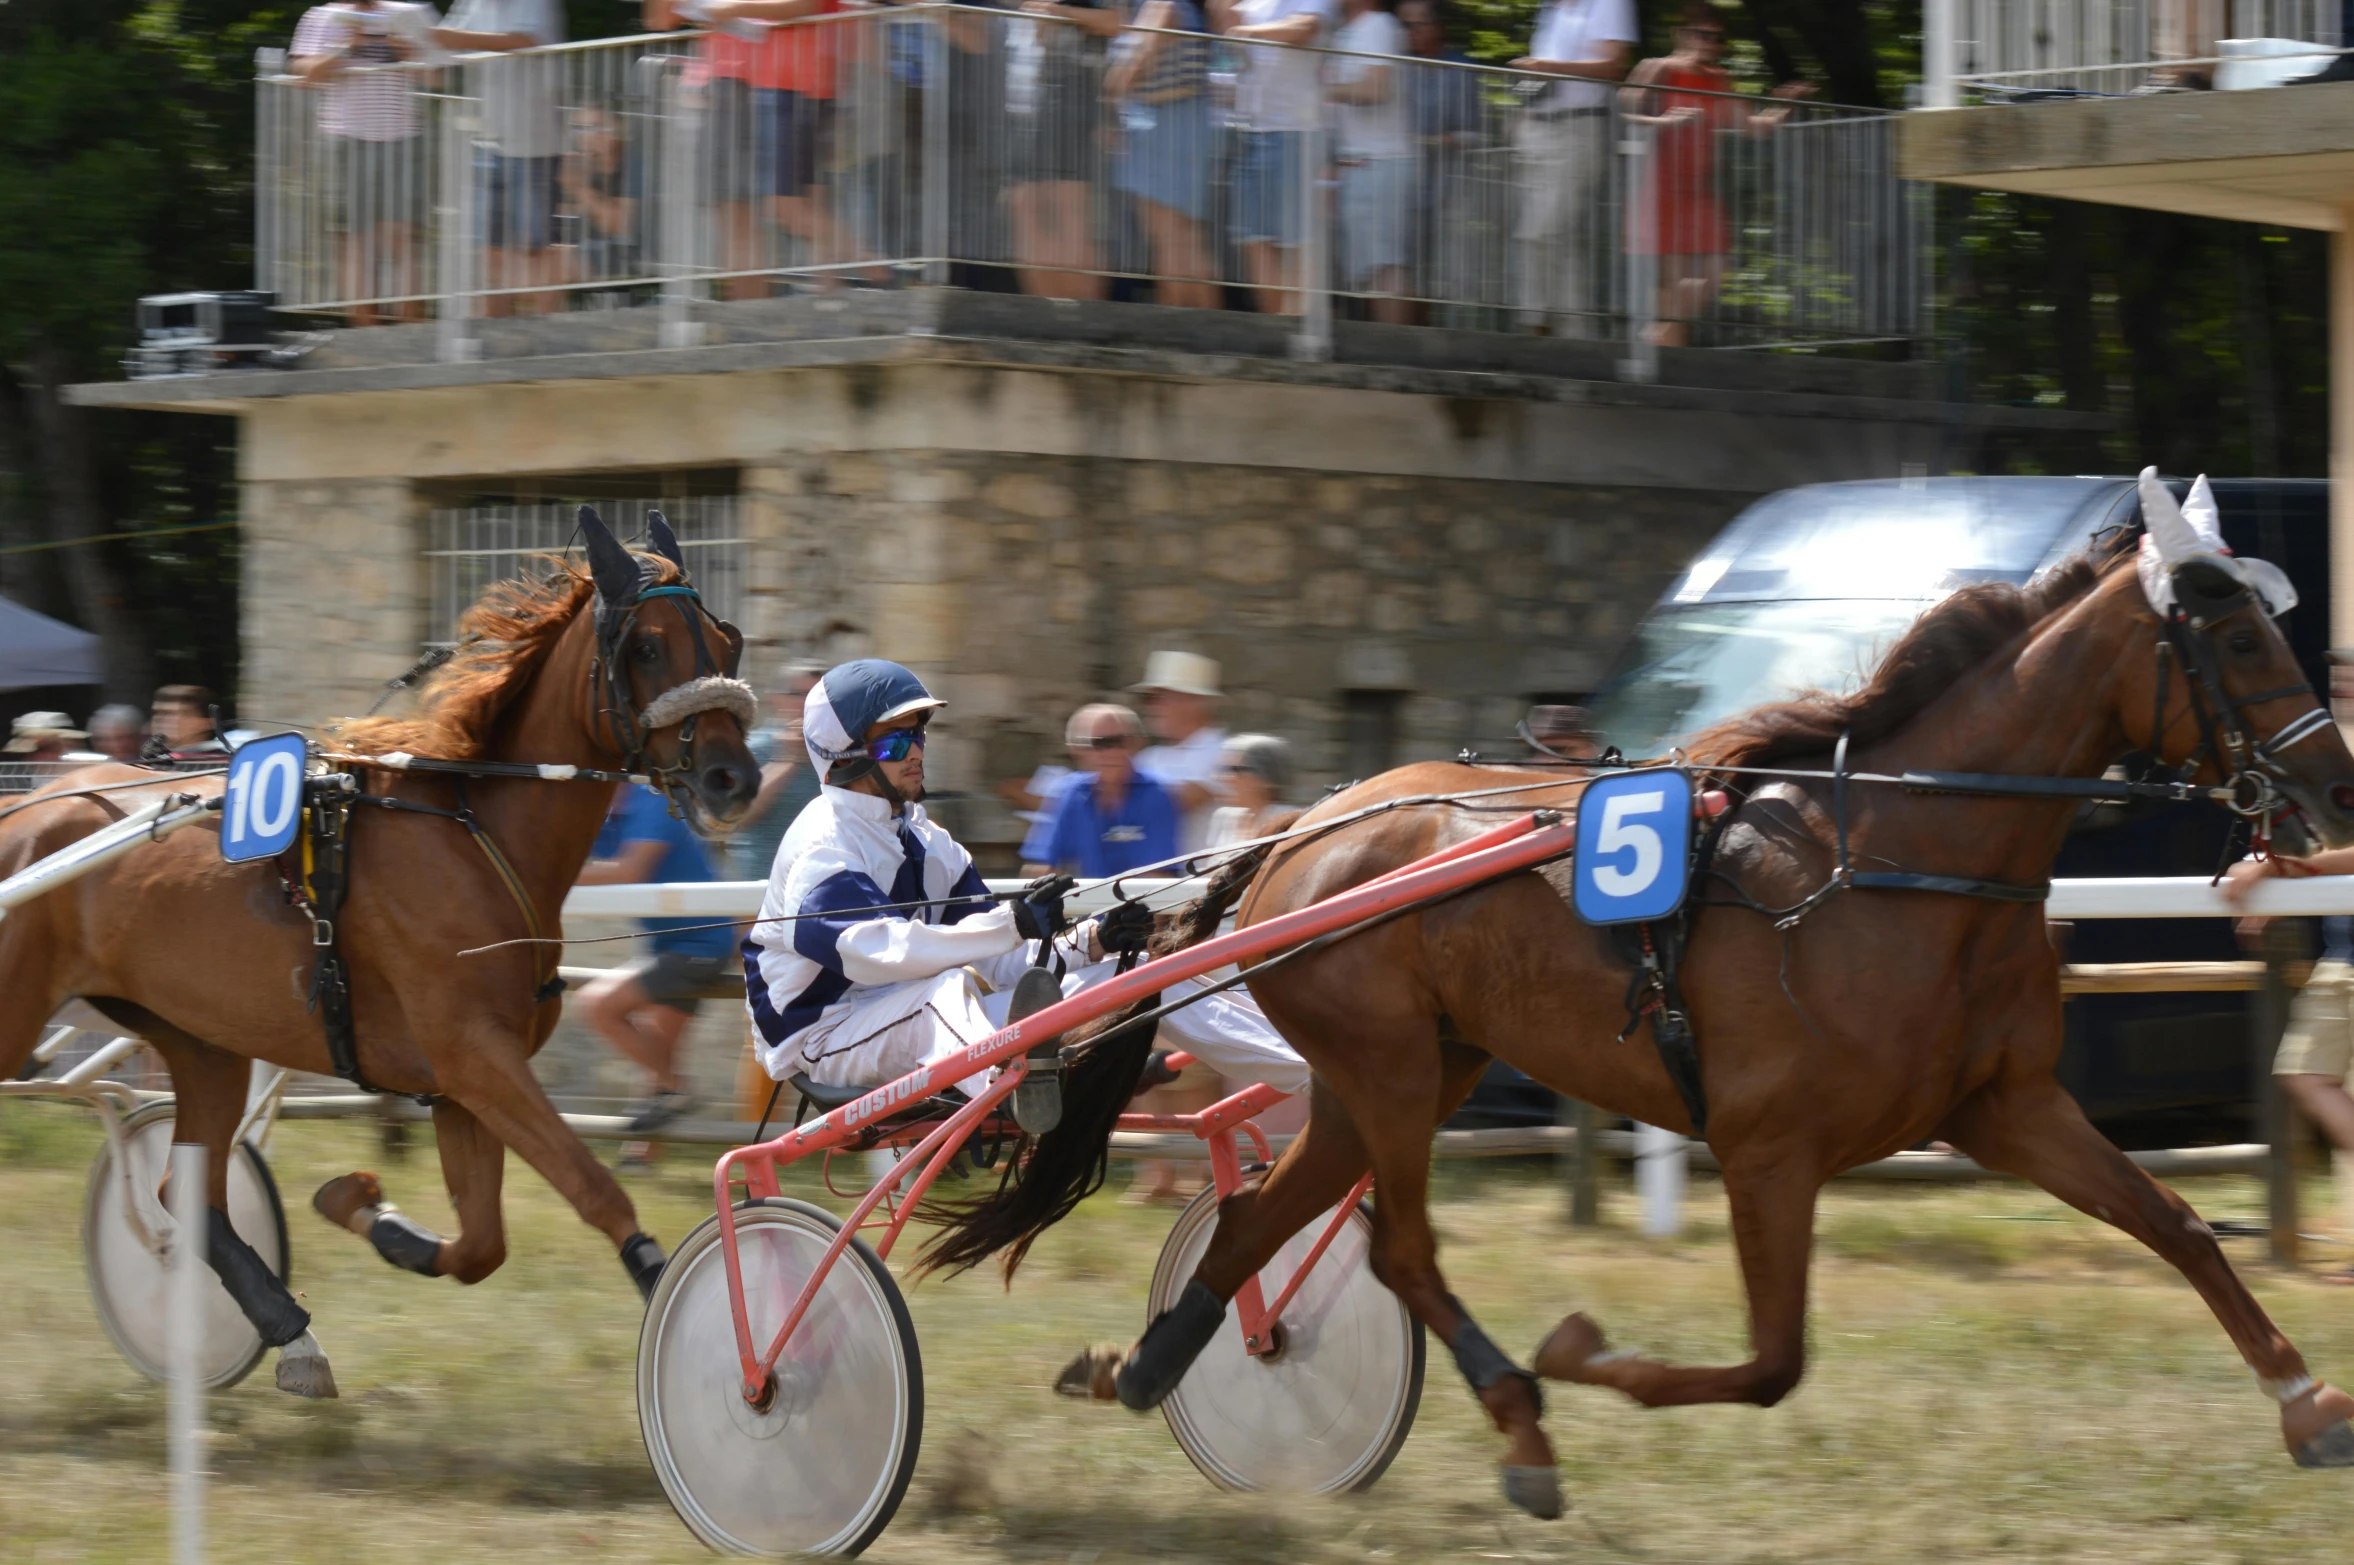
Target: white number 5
x,y
1618,832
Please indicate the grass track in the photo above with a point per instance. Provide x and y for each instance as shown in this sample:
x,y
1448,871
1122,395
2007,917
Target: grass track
x,y
1993,1378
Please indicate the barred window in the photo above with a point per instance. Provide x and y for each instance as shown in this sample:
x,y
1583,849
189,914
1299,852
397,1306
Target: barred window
x,y
469,547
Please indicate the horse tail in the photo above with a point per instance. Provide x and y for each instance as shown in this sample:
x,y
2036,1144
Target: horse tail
x,y
1103,1061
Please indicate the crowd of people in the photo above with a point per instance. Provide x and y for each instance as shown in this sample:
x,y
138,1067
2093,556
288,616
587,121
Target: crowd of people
x,y
1089,143
182,723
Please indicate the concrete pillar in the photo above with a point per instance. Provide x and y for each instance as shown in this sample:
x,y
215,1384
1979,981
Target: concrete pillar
x,y
2341,430
334,595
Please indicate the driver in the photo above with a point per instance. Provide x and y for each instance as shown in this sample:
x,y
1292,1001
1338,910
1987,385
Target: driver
x,y
853,989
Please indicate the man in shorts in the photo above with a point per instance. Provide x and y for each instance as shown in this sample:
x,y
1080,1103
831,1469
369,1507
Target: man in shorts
x,y
2317,1048
371,136
520,146
643,1008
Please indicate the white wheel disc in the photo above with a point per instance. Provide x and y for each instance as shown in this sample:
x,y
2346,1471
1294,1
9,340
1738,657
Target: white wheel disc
x,y
824,1467
129,1281
1327,1412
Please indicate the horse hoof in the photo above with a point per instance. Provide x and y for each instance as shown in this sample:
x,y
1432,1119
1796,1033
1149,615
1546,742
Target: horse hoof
x,y
340,1200
2333,1447
2316,1429
303,1370
1090,1376
1571,1346
1536,1490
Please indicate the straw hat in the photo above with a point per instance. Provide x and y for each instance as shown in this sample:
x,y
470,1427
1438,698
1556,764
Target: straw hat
x,y
35,729
1185,673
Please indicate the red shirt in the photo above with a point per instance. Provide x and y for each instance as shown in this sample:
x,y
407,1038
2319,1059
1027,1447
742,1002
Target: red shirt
x,y
796,56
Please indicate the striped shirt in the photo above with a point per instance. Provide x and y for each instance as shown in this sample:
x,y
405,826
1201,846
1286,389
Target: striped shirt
x,y
366,105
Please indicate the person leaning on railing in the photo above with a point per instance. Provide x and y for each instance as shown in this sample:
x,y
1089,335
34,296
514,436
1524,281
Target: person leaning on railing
x,y
1277,102
1685,100
520,145
1564,153
1160,79
369,123
1054,63
1449,121
1373,149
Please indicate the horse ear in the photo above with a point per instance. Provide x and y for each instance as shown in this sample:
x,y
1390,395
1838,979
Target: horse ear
x,y
665,541
610,566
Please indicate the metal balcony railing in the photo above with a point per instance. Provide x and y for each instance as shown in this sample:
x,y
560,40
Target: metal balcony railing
x,y
914,145
1997,50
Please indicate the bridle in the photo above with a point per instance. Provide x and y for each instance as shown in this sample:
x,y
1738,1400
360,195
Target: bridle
x,y
630,728
2228,736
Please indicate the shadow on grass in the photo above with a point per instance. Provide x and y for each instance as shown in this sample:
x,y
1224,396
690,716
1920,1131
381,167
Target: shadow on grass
x,y
1093,1524
338,1447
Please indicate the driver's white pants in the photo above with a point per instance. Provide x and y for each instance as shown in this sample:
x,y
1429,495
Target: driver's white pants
x,y
924,1021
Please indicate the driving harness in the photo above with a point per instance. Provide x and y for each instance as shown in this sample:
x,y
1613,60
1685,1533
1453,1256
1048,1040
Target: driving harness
x,y
323,882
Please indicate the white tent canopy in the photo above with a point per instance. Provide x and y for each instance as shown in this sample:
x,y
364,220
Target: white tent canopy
x,y
37,650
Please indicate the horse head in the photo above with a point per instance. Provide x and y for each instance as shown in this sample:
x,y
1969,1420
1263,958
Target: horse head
x,y
2223,694
664,685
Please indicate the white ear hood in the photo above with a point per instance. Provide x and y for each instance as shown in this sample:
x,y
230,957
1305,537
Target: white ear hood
x,y
2174,533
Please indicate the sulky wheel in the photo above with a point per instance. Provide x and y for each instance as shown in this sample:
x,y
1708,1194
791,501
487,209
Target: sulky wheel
x,y
129,1281
821,1469
1331,1407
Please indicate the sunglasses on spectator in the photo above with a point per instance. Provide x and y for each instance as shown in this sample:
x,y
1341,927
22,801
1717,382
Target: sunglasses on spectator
x,y
1101,742
896,745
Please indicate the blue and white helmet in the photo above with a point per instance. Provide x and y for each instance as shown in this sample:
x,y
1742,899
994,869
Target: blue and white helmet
x,y
852,698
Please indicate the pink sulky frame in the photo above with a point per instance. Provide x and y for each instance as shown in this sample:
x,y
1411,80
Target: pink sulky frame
x,y
1518,844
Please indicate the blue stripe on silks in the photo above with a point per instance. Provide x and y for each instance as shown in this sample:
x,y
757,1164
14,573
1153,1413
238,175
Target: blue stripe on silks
x,y
839,902
908,884
969,884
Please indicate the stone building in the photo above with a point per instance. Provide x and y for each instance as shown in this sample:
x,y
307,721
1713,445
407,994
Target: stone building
x,y
1391,553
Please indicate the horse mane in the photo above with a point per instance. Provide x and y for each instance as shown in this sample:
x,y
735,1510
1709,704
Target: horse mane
x,y
503,639
1951,639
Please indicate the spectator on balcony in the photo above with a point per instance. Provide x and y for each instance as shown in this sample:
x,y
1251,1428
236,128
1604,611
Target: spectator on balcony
x,y
1448,120
519,148
1160,78
1277,102
1373,148
375,153
2184,33
767,128
1684,100
602,184
1054,86
1564,154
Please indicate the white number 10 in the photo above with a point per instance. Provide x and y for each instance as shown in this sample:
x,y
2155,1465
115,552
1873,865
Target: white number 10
x,y
1618,832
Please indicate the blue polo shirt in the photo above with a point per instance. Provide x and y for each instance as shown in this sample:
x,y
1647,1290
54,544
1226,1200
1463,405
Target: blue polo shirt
x,y
1083,840
640,814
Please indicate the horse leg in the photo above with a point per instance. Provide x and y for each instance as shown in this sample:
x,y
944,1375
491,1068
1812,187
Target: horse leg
x,y
209,1087
1773,1208
25,970
473,1162
2035,1130
491,1078
1316,1170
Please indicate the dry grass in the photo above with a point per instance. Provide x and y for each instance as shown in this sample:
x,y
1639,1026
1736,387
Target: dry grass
x,y
1993,1378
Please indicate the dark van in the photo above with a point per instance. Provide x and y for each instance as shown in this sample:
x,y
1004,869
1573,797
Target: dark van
x,y
1807,587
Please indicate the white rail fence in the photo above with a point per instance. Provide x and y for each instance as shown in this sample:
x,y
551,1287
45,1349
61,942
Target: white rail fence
x,y
917,143
1999,49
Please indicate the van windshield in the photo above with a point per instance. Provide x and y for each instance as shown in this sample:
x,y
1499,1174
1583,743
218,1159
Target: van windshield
x,y
1691,666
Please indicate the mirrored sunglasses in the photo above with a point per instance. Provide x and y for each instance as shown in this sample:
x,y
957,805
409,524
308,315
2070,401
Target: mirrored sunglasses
x,y
1101,742
896,745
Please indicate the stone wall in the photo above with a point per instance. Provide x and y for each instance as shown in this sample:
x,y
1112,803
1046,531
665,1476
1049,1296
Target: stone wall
x,y
333,594
1025,586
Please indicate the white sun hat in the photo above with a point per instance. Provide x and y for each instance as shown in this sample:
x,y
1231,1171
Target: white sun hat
x,y
1185,673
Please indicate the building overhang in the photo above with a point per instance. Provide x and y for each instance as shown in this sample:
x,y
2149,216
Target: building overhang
x,y
2283,156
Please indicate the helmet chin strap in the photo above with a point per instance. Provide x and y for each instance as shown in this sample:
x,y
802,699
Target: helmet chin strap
x,y
843,774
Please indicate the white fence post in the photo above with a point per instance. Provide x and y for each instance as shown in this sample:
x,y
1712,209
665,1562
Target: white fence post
x,y
186,1302
1641,365
1313,341
1660,1158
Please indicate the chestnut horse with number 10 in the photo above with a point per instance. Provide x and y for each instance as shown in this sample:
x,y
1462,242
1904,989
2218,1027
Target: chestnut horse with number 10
x,y
1877,1019
615,668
